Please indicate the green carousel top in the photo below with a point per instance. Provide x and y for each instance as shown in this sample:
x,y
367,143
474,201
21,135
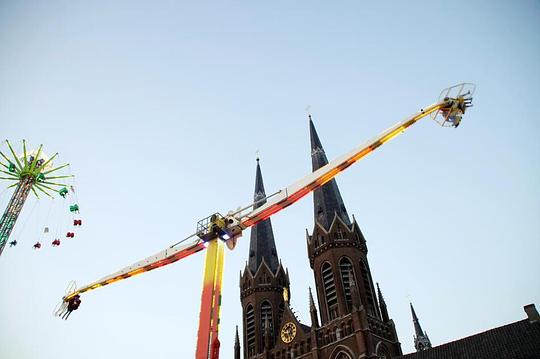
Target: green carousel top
x,y
35,166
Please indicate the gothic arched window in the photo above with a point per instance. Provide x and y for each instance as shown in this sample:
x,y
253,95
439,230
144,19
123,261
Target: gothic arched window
x,y
342,355
266,314
368,287
382,351
250,330
347,274
329,290
320,214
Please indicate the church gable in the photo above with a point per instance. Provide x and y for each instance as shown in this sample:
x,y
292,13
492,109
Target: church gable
x,y
293,336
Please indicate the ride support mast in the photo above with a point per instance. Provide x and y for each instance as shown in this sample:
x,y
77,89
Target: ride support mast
x,y
13,210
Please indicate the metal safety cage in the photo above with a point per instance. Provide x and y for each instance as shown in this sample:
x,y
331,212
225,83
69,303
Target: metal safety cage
x,y
212,227
463,92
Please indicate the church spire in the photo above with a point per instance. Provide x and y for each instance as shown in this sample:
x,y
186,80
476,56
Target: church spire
x,y
421,340
327,199
262,245
417,327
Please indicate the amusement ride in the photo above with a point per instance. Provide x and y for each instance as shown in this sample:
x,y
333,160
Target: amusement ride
x,y
216,230
33,171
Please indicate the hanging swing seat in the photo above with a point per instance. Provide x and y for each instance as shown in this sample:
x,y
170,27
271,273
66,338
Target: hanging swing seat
x,y
70,235
74,208
63,192
77,222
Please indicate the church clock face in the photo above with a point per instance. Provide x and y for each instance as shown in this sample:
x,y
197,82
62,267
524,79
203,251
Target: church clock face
x,y
288,332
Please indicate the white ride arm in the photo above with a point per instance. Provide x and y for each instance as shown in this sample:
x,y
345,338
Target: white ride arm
x,y
235,222
314,180
160,259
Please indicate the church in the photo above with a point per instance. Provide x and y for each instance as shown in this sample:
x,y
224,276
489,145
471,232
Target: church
x,y
349,317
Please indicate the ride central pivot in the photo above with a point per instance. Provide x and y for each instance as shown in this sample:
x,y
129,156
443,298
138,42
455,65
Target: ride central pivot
x,y
227,228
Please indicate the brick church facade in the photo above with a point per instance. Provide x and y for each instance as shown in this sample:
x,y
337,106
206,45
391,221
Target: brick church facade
x,y
349,318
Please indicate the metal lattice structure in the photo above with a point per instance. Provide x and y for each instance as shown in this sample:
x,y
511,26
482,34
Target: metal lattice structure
x,y
28,172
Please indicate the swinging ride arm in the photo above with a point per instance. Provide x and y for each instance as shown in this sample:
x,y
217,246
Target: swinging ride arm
x,y
448,111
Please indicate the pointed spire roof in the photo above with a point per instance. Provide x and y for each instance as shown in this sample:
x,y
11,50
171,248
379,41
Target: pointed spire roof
x,y
421,339
262,245
417,327
327,199
236,337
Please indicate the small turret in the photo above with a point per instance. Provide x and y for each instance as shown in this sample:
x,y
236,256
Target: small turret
x,y
421,340
313,311
236,345
382,305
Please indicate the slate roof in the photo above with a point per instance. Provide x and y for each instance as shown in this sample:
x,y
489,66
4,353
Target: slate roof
x,y
305,328
327,201
262,244
417,328
519,340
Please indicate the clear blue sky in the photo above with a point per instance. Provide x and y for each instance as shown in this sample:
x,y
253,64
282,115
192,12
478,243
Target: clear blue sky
x,y
160,107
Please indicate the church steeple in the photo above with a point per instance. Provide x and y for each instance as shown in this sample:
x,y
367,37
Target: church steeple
x,y
421,340
262,245
327,199
261,285
337,249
